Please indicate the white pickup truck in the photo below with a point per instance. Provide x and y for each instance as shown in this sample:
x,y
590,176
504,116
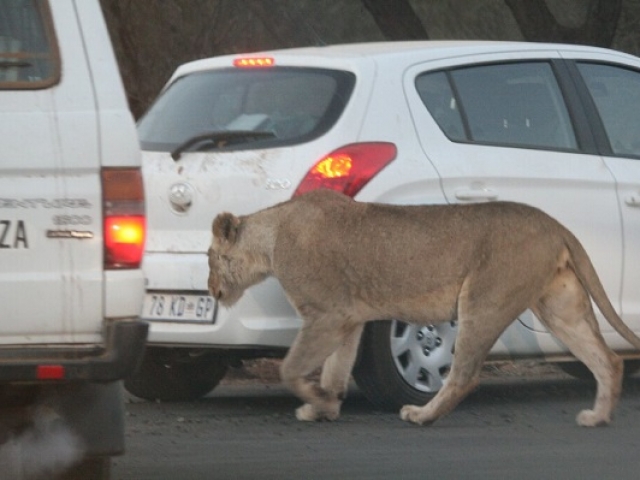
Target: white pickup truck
x,y
72,231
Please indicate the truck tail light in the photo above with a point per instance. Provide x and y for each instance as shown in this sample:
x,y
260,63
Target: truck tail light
x,y
348,168
50,372
124,217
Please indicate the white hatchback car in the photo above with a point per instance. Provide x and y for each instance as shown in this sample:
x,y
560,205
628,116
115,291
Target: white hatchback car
x,y
555,126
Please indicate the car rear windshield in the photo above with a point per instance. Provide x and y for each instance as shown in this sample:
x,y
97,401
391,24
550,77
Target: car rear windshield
x,y
28,51
245,109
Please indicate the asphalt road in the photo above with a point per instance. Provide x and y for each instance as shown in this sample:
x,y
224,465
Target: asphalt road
x,y
509,428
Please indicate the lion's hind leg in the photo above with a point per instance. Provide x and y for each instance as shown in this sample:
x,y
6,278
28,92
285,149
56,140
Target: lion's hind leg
x,y
471,350
480,324
566,310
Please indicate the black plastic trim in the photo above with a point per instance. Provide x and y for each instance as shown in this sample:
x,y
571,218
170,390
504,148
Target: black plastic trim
x,y
115,360
597,127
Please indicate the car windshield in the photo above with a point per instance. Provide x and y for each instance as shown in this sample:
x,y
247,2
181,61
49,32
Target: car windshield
x,y
285,105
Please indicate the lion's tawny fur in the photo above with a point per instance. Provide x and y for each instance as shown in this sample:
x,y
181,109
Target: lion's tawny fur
x,y
343,263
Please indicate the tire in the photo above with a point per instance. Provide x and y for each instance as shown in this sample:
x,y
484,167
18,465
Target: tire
x,y
94,468
579,370
174,374
402,364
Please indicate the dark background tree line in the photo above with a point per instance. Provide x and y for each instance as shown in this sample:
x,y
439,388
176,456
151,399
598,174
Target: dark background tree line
x,y
153,37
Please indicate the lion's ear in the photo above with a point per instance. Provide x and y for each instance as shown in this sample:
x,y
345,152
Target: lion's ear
x,y
225,228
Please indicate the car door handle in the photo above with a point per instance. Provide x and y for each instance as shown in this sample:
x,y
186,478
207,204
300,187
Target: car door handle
x,y
633,200
476,194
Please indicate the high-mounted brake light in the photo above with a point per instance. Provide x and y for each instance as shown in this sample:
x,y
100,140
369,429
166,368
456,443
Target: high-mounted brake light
x,y
348,168
124,217
253,62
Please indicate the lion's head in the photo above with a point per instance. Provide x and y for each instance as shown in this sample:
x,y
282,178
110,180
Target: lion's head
x,y
234,265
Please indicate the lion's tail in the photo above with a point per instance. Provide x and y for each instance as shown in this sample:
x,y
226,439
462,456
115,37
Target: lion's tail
x,y
588,276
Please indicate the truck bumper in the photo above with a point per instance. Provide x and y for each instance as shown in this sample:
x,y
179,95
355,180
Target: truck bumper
x,y
117,358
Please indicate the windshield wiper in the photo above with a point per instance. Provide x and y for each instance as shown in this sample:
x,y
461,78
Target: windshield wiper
x,y
220,139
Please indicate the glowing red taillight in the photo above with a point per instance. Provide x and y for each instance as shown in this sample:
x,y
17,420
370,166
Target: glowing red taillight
x,y
124,217
348,168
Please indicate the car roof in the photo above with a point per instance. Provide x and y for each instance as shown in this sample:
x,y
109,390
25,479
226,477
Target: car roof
x,y
382,52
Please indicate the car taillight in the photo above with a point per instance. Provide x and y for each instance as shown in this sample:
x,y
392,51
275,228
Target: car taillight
x,y
124,217
348,168
253,62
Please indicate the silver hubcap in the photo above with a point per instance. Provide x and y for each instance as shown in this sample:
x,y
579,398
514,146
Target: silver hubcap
x,y
423,354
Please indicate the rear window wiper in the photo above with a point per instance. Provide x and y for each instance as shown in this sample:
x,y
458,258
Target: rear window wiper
x,y
14,63
220,139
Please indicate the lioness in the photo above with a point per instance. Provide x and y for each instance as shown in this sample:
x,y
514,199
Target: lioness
x,y
343,263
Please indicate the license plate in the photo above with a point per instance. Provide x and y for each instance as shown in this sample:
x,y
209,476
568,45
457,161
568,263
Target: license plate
x,y
178,307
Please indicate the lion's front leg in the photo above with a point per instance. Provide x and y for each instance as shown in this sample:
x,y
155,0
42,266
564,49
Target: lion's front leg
x,y
315,343
336,371
309,413
321,407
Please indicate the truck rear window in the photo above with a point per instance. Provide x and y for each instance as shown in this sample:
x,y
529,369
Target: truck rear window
x,y
28,51
246,108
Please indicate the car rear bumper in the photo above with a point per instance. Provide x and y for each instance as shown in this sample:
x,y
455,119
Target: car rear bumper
x,y
262,317
114,360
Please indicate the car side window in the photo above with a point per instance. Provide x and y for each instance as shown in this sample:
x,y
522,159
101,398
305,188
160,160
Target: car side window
x,y
516,104
436,94
616,94
28,51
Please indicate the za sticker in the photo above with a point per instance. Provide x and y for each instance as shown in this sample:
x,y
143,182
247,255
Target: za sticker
x,y
13,234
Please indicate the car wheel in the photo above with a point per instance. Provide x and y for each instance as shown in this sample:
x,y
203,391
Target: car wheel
x,y
98,468
402,364
580,370
170,374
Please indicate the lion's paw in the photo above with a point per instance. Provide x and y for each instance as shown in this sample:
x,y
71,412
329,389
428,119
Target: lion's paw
x,y
411,413
309,413
589,418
